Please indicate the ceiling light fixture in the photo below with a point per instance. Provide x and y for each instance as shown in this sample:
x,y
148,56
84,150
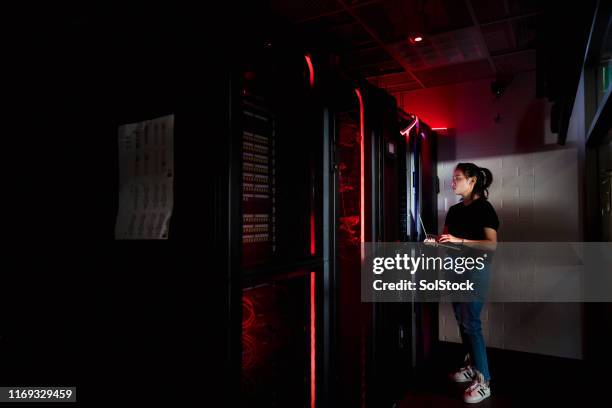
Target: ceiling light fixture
x,y
415,39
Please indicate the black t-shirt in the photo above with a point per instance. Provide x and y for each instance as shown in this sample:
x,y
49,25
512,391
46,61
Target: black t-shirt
x,y
469,221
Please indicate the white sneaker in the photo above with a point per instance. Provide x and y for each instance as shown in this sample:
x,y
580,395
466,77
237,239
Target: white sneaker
x,y
477,392
464,374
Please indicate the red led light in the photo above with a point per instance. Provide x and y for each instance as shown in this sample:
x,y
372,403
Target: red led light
x,y
310,70
313,354
312,233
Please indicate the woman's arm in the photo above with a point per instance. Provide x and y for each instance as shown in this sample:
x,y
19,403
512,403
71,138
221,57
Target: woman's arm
x,y
489,243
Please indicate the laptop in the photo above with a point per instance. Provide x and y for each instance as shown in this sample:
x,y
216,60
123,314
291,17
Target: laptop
x,y
437,237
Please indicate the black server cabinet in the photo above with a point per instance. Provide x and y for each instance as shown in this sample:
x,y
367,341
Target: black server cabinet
x,y
405,191
390,343
421,208
378,190
278,136
350,318
354,217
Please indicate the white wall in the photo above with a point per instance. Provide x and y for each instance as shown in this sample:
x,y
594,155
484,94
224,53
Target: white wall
x,y
535,192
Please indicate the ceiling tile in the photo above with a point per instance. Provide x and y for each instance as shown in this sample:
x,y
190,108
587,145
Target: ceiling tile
x,y
516,62
454,47
524,6
469,71
488,10
445,15
525,30
296,10
386,20
399,82
499,37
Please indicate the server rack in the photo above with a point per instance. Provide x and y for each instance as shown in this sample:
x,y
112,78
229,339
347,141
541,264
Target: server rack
x,y
278,263
403,334
421,209
351,319
303,211
380,178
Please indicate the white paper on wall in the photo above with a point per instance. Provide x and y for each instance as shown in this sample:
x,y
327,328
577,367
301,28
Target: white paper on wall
x,y
146,174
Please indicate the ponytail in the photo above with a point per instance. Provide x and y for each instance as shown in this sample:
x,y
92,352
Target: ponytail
x,y
484,178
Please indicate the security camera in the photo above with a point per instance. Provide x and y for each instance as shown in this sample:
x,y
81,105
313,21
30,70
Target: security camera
x,y
498,87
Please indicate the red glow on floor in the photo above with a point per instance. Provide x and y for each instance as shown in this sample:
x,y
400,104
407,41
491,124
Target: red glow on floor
x,y
362,185
310,70
312,340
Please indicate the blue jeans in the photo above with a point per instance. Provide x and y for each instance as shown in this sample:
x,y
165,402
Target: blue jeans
x,y
470,327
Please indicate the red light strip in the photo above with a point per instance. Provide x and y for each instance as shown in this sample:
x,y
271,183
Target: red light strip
x,y
312,210
442,128
362,186
313,362
406,132
312,233
313,293
310,69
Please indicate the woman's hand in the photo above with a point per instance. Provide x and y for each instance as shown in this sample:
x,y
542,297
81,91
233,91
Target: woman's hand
x,y
430,241
449,238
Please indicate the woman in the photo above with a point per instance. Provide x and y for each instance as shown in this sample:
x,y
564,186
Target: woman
x,y
472,222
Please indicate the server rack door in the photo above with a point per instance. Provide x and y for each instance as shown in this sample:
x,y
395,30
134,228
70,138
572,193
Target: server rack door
x,y
362,193
428,209
280,128
390,341
423,207
348,238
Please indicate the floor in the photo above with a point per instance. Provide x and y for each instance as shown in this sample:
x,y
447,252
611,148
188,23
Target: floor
x,y
518,380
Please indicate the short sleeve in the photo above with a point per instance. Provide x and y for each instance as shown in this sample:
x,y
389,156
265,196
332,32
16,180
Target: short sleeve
x,y
449,217
490,217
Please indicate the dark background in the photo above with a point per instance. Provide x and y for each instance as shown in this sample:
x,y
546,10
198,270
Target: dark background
x,y
78,308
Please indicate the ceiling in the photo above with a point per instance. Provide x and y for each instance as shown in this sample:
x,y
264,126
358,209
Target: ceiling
x,y
464,40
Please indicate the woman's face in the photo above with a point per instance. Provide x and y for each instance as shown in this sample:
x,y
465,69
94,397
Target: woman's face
x,y
462,185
